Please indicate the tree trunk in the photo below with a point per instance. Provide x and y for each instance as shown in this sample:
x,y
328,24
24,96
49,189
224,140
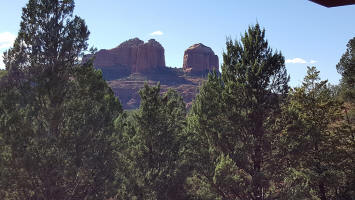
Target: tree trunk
x,y
257,188
258,157
322,191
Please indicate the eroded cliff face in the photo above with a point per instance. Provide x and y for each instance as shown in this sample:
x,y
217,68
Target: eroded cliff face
x,y
199,58
150,55
133,55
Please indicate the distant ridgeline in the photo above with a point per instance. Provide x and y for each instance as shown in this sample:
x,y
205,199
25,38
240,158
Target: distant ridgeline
x,y
132,63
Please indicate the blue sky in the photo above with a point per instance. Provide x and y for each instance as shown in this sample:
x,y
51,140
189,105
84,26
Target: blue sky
x,y
306,33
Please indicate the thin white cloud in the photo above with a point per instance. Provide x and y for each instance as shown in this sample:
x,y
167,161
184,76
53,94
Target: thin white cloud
x,y
6,40
296,60
300,61
156,33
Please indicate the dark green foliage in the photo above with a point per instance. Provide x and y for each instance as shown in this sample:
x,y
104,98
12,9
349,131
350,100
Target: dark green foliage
x,y
78,161
56,117
233,117
318,148
346,67
150,146
205,123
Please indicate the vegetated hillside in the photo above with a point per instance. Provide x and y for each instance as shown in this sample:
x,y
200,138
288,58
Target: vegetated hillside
x,y
2,72
126,89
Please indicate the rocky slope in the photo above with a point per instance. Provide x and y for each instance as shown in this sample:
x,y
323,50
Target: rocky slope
x,y
126,89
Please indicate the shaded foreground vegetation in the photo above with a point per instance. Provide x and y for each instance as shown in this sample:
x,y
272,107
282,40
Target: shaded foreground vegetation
x,y
63,134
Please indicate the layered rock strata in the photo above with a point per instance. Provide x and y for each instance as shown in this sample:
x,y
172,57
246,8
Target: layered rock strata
x,y
199,58
133,55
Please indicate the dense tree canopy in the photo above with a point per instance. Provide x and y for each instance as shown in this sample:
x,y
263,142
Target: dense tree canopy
x,y
56,116
153,136
346,67
318,148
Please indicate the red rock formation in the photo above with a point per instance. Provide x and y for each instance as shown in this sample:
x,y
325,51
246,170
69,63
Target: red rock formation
x,y
133,54
150,55
123,55
200,58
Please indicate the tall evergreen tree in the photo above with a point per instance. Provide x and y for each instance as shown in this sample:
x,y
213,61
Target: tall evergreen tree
x,y
234,117
48,46
346,67
319,149
153,135
56,115
205,124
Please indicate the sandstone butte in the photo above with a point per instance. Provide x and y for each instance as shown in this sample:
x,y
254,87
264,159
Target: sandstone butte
x,y
132,63
132,55
199,58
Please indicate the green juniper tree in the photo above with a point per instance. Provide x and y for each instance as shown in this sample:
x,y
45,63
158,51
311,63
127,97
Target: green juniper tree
x,y
205,123
56,115
319,150
151,143
233,116
346,67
